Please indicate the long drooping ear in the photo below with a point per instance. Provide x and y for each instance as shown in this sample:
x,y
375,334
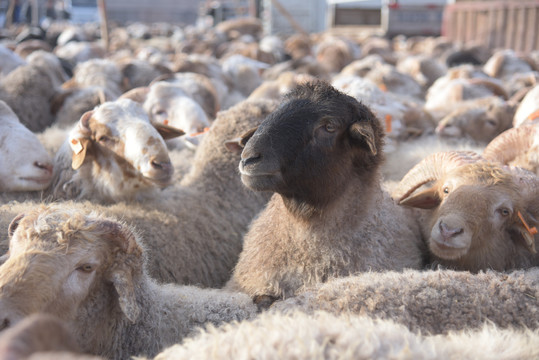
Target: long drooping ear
x,y
236,145
363,131
80,141
426,199
127,261
14,224
167,132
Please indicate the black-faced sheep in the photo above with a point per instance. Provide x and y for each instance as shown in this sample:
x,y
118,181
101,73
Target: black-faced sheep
x,y
320,152
88,270
429,301
113,154
327,336
25,165
480,215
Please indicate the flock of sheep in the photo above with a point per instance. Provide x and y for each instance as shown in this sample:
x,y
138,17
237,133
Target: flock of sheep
x,y
217,193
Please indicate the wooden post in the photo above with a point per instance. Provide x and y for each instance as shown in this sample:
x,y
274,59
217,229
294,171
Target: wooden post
x,y
35,13
9,13
104,23
289,17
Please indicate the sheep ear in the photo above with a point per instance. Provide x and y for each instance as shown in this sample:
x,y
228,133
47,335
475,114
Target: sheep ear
x,y
236,145
79,140
79,148
426,199
123,283
168,132
127,261
14,224
362,131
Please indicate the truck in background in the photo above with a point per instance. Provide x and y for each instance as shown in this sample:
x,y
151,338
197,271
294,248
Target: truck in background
x,y
388,17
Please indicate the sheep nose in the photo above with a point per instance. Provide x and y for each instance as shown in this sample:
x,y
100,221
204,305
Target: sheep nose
x,y
44,166
447,232
251,160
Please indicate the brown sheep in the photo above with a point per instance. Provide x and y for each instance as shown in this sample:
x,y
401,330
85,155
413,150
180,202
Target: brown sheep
x,y
481,215
320,152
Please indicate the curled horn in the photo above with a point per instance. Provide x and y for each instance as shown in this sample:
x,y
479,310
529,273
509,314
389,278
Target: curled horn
x,y
432,168
496,88
510,144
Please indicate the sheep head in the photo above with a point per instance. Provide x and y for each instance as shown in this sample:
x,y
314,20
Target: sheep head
x,y
480,120
475,222
25,165
70,265
122,149
309,148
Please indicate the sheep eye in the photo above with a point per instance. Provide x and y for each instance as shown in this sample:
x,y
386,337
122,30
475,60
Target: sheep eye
x,y
330,128
87,268
446,190
504,212
161,113
103,138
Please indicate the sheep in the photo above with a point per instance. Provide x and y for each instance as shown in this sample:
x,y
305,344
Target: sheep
x,y
243,72
40,336
429,301
28,90
193,231
320,154
276,89
96,282
505,63
327,336
167,103
51,63
516,147
98,72
76,52
25,165
138,73
478,214
447,93
113,154
480,119
334,53
390,79
423,69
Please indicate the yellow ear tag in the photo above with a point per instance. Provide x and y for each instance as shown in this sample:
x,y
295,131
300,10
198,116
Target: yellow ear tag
x,y
76,146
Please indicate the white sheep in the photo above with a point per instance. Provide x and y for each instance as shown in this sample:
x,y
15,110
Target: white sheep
x,y
429,301
319,153
25,165
327,336
88,270
113,154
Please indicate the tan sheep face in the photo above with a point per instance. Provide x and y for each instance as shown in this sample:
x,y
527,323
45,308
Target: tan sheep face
x,y
470,219
57,261
128,153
